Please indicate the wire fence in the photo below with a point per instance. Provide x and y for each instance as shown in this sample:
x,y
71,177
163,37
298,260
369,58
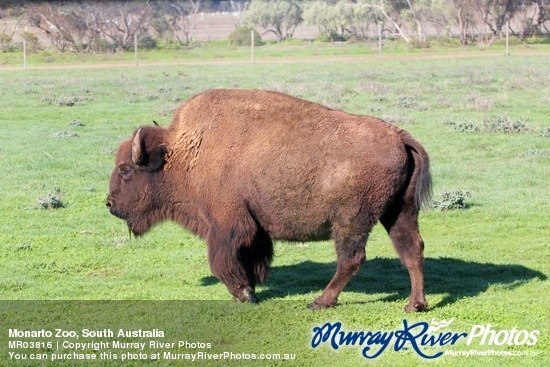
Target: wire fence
x,y
246,45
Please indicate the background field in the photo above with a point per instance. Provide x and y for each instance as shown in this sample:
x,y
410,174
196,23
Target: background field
x,y
484,121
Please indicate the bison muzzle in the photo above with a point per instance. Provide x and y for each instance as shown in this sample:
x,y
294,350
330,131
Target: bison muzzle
x,y
241,168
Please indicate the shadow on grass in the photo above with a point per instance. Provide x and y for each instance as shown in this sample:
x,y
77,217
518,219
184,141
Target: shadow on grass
x,y
455,278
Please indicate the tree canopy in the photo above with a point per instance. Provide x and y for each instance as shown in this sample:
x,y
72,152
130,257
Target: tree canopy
x,y
84,26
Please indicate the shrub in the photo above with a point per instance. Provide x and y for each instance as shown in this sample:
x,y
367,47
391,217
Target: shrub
x,y
110,150
478,102
407,102
545,132
64,134
397,119
147,43
463,126
537,40
25,245
103,45
32,41
5,42
452,199
419,44
330,37
53,200
532,152
499,124
504,124
75,123
242,37
444,102
445,42
64,101
167,110
512,41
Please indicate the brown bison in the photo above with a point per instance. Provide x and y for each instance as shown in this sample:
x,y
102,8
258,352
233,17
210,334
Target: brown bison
x,y
243,167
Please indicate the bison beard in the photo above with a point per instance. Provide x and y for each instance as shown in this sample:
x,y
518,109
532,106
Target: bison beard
x,y
243,167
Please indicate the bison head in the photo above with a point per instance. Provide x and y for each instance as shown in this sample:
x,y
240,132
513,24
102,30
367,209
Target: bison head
x,y
135,181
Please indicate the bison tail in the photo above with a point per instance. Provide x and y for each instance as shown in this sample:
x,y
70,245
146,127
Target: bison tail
x,y
420,183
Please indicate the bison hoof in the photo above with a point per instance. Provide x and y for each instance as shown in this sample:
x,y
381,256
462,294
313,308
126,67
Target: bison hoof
x,y
317,305
247,295
252,297
416,306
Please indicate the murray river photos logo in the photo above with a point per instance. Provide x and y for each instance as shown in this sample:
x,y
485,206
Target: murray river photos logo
x,y
427,340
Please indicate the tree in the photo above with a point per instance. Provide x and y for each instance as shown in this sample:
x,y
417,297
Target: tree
x,y
12,18
176,18
238,7
80,26
278,17
495,14
122,22
531,16
341,19
453,16
324,16
391,10
55,19
462,18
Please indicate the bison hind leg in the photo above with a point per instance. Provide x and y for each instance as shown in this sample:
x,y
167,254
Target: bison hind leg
x,y
351,255
401,222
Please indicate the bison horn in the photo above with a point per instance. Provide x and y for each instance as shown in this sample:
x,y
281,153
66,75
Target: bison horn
x,y
156,123
137,152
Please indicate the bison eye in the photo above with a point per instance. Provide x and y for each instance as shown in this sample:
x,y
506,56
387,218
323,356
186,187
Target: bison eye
x,y
125,171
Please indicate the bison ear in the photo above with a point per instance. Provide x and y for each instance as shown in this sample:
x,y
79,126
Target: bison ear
x,y
157,158
138,151
150,153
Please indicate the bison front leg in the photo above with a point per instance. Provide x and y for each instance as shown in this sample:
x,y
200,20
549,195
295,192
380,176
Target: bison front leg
x,y
226,264
351,255
256,257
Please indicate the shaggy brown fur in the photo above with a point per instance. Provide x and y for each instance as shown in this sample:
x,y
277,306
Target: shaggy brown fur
x,y
243,167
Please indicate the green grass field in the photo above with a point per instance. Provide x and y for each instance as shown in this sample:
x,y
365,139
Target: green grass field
x,y
485,122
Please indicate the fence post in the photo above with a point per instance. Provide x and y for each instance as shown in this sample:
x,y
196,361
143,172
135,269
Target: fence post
x,y
252,46
507,38
24,54
136,48
379,42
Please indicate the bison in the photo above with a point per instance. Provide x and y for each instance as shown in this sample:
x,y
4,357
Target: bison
x,y
241,168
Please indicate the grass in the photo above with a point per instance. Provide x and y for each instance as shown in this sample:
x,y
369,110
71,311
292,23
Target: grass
x,y
486,264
